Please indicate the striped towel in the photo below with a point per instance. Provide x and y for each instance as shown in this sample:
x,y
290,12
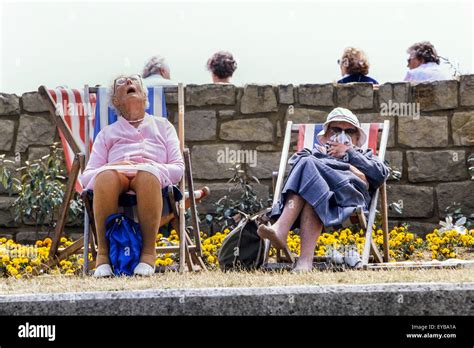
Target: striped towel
x,y
307,136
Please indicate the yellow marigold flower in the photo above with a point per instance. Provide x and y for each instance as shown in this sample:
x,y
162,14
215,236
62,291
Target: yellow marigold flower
x,y
211,259
48,241
3,240
39,243
28,269
6,258
13,271
63,240
168,261
453,254
411,247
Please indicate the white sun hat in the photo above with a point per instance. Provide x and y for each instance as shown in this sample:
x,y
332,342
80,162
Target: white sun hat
x,y
343,115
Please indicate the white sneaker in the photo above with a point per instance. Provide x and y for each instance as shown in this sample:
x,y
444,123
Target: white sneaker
x,y
336,257
353,259
103,270
144,269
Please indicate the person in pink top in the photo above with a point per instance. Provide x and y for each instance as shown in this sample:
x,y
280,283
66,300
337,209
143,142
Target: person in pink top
x,y
139,152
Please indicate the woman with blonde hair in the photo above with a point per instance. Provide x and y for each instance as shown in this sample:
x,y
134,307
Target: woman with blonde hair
x,y
354,66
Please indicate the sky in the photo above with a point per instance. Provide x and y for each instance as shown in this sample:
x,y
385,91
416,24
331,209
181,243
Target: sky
x,y
277,42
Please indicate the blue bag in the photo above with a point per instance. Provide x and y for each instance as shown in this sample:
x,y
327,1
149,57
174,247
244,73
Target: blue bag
x,y
125,243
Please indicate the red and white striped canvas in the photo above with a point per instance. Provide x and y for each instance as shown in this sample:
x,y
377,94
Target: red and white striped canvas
x,y
71,104
307,136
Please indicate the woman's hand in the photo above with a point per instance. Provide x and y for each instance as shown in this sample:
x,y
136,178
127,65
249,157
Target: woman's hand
x,y
337,149
358,173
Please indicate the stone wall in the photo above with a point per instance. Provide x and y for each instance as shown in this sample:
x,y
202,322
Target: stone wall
x,y
431,148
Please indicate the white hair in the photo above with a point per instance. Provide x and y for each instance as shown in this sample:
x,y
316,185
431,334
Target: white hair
x,y
153,66
111,94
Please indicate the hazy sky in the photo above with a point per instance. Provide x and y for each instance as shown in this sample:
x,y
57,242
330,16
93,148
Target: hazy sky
x,y
73,43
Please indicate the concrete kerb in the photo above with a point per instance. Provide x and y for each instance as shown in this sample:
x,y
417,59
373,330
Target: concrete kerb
x,y
373,299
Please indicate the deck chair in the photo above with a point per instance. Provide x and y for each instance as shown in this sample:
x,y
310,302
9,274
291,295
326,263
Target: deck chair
x,y
74,108
306,139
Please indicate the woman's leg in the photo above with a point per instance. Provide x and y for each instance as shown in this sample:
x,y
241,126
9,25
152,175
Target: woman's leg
x,y
108,186
278,232
149,206
310,229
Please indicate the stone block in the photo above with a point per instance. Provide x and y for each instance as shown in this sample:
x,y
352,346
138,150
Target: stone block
x,y
255,129
210,94
426,131
437,95
446,165
316,94
258,99
416,201
355,96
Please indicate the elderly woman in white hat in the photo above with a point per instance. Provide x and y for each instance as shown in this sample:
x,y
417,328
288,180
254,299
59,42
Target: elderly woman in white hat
x,y
325,185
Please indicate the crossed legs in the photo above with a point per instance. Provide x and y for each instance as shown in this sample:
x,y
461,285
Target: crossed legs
x,y
107,188
310,228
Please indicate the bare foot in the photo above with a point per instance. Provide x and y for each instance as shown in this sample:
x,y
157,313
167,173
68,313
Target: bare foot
x,y
303,266
269,233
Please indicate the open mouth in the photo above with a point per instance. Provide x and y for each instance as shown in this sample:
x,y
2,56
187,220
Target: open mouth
x,y
131,89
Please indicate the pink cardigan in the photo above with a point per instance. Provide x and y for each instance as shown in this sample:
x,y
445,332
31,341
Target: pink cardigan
x,y
154,145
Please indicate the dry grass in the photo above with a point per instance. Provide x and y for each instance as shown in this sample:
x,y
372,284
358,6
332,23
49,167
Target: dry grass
x,y
173,280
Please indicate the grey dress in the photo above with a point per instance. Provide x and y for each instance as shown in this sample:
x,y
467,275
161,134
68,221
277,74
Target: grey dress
x,y
329,186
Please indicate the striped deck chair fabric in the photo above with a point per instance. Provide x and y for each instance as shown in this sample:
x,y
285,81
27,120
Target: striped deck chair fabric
x,y
71,104
307,138
106,115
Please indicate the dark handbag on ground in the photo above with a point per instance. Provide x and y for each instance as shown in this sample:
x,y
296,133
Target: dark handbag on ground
x,y
243,249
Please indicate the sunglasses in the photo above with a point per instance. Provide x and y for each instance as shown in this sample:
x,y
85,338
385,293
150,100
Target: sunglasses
x,y
120,81
350,131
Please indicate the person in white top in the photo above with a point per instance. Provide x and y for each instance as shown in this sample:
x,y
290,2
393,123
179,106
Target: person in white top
x,y
157,73
423,62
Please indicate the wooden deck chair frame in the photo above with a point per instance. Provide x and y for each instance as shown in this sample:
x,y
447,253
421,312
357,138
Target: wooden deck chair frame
x,y
190,246
357,217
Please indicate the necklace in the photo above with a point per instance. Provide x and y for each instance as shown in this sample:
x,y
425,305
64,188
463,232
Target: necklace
x,y
136,121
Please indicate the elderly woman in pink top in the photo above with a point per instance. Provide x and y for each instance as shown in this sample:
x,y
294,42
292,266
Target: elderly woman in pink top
x,y
139,152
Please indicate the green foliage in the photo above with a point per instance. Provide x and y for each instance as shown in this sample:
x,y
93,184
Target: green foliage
x,y
39,187
228,211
